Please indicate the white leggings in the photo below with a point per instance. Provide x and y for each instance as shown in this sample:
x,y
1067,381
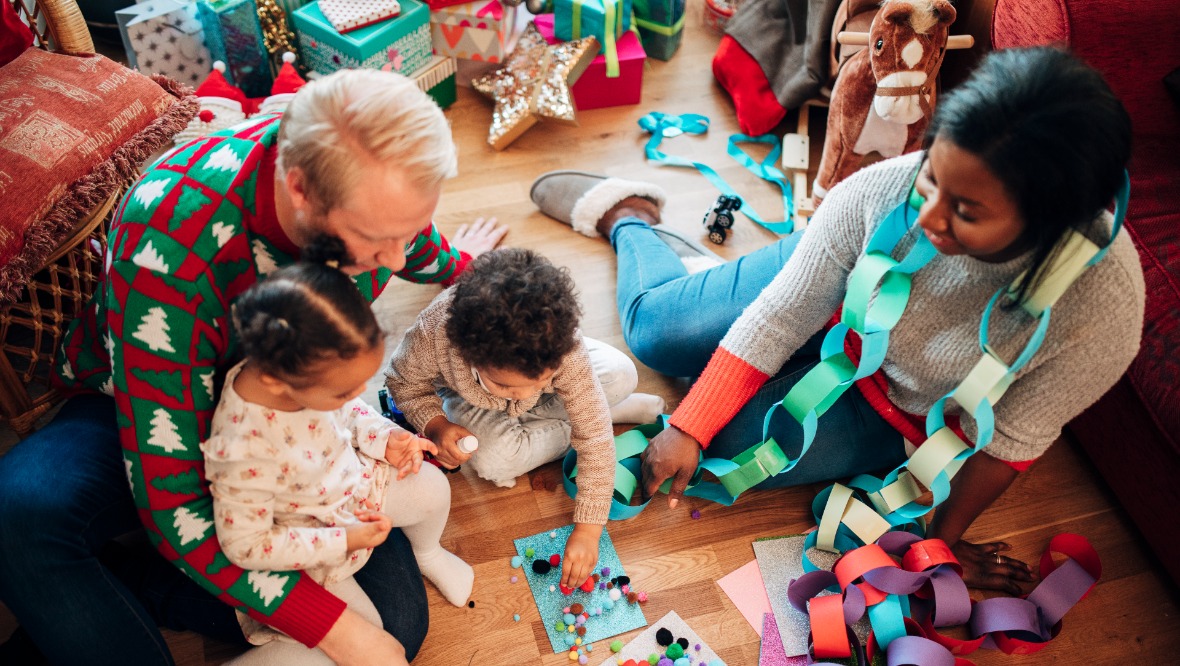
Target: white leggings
x,y
418,504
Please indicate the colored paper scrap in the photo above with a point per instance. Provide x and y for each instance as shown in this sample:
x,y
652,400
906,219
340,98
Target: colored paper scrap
x,y
744,588
616,617
771,652
781,561
645,644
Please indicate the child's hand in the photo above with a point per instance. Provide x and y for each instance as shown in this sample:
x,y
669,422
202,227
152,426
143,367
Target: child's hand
x,y
447,435
403,450
581,554
370,532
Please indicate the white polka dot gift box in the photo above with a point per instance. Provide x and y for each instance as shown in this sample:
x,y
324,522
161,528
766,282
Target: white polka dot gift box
x,y
349,15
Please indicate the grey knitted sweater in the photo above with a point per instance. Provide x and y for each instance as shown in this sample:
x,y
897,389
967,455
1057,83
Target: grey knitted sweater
x,y
1092,337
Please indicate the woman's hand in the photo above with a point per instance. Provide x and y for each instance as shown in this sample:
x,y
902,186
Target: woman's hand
x,y
446,436
354,641
985,568
403,450
672,454
370,532
482,236
581,554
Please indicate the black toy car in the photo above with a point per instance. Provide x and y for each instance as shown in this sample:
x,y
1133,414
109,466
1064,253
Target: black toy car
x,y
719,219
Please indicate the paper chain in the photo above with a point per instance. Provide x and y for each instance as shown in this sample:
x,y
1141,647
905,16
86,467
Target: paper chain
x,y
908,602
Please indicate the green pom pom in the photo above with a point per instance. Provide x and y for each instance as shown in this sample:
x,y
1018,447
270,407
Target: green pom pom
x,y
674,651
616,646
529,552
560,626
653,659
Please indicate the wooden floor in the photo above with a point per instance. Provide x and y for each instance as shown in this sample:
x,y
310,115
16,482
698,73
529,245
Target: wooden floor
x,y
1130,617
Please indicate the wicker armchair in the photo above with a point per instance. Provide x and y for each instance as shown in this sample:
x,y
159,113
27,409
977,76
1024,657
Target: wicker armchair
x,y
32,328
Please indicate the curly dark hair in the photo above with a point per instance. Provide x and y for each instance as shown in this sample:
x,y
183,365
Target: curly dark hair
x,y
305,313
514,310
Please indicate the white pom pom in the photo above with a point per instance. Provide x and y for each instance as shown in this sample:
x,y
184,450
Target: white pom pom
x,y
288,56
219,66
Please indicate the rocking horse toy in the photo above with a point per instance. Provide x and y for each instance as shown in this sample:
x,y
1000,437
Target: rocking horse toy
x,y
884,96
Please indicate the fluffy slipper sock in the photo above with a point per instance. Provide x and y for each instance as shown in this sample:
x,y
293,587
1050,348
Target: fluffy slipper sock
x,y
638,408
592,205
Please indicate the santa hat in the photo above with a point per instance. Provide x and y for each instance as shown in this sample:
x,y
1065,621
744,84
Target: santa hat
x,y
222,105
286,84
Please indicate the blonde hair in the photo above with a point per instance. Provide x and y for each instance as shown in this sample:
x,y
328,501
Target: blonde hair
x,y
338,125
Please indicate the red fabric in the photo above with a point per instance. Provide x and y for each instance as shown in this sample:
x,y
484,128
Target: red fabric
x,y
15,36
757,109
1131,433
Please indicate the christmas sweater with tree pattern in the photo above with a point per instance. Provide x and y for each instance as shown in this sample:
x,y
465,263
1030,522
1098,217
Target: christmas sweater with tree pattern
x,y
195,232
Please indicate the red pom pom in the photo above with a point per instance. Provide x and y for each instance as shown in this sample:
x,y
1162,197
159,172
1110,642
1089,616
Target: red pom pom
x,y
588,586
566,590
555,559
206,116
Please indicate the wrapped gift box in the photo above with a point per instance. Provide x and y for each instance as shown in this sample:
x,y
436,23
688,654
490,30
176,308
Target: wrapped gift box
x,y
661,25
437,79
401,44
594,90
165,37
575,19
234,36
473,30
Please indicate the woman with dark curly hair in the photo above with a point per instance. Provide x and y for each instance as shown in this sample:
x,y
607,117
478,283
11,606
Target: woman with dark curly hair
x,y
499,356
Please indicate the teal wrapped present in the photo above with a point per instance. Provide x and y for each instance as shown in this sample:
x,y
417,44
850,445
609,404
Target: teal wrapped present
x,y
661,25
234,36
606,20
401,44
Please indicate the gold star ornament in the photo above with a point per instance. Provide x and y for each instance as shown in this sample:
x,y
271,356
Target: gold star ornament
x,y
534,84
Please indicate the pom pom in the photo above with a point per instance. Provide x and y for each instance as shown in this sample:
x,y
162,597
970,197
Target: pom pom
x,y
541,567
577,609
674,651
664,636
288,56
555,559
219,66
206,116
587,586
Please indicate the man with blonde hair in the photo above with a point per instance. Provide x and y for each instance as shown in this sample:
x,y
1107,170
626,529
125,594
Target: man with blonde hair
x,y
360,155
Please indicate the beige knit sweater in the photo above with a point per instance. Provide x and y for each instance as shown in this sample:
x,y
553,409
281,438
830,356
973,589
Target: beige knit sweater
x,y
425,359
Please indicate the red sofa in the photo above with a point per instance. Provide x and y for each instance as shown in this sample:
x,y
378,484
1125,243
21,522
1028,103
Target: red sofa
x,y
1132,433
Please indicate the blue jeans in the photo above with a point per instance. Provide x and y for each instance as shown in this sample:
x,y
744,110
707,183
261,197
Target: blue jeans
x,y
64,496
673,322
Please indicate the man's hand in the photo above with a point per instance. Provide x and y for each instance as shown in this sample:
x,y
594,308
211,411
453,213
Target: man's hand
x,y
581,554
985,568
482,236
353,641
672,454
446,436
403,450
370,532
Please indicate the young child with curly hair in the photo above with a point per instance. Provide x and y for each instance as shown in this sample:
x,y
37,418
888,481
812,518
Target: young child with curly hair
x,y
499,356
304,474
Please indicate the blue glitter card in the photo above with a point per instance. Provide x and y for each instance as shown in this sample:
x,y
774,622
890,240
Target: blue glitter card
x,y
617,617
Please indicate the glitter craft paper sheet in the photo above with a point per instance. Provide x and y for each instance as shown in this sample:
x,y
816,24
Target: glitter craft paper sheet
x,y
780,559
623,617
772,652
645,644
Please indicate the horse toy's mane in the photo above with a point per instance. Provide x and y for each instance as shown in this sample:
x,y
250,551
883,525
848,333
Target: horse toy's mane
x,y
884,95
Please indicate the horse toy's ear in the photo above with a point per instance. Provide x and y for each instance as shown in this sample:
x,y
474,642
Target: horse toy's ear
x,y
945,12
897,13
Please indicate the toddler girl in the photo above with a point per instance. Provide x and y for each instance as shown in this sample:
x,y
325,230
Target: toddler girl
x,y
300,467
